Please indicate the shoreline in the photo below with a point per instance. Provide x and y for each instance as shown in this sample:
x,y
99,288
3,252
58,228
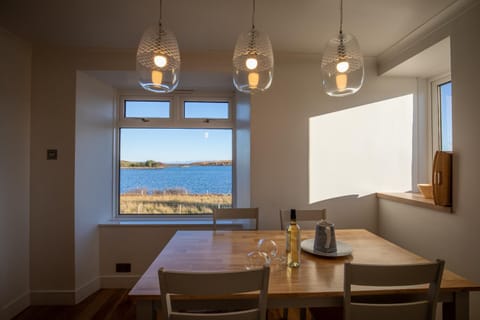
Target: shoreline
x,y
179,166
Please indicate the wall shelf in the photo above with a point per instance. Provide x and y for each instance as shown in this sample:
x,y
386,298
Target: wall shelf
x,y
414,199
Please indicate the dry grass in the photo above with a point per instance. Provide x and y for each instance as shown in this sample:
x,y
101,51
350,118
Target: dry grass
x,y
173,203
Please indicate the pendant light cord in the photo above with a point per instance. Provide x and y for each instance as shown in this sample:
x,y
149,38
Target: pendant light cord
x,y
341,16
160,15
253,15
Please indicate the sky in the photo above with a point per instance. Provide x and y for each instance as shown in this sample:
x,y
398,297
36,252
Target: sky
x,y
446,115
175,145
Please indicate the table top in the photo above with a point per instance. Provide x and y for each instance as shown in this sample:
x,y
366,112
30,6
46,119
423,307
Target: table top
x,y
316,277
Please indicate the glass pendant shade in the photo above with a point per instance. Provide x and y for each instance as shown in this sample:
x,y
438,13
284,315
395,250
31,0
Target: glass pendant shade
x,y
253,62
158,60
342,66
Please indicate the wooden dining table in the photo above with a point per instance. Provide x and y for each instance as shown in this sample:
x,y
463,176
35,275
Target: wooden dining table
x,y
317,282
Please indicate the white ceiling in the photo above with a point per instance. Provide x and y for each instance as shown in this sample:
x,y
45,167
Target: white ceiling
x,y
298,26
431,62
201,25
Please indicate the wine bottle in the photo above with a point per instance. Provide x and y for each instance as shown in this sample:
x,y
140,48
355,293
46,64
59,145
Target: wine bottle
x,y
293,241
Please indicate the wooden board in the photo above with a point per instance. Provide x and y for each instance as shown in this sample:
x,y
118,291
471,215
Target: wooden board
x,y
442,178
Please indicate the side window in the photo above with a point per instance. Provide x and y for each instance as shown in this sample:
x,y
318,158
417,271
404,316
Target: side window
x,y
442,136
171,165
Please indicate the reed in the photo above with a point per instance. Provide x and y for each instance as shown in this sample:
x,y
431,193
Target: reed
x,y
172,203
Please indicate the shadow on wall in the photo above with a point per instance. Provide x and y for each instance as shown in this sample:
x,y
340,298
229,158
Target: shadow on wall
x,y
351,211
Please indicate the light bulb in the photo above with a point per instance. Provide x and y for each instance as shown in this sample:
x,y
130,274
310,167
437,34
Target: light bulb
x,y
157,77
160,61
343,66
253,79
341,81
251,63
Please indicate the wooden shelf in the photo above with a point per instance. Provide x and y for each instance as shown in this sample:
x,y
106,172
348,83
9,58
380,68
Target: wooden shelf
x,y
414,199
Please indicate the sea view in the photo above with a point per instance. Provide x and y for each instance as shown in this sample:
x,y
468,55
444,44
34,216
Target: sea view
x,y
193,179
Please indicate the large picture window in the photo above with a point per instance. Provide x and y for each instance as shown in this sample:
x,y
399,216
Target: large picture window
x,y
177,167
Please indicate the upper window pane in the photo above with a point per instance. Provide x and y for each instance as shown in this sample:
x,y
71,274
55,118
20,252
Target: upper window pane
x,y
446,116
147,109
206,110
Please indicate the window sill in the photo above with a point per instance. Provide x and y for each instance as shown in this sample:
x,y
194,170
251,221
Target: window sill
x,y
200,224
414,199
158,222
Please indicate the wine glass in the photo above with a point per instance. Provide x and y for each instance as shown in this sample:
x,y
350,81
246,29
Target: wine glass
x,y
269,247
256,259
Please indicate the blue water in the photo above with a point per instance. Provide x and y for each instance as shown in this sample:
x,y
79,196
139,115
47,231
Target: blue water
x,y
195,179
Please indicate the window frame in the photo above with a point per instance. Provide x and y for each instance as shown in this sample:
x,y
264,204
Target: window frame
x,y
435,107
176,121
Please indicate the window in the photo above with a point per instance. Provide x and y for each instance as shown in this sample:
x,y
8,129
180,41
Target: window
x,y
445,93
146,109
174,156
206,110
442,114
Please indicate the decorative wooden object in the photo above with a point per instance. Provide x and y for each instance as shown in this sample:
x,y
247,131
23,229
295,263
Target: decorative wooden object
x,y
442,178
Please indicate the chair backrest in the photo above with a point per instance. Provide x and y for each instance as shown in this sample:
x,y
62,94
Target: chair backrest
x,y
419,307
234,214
214,287
305,218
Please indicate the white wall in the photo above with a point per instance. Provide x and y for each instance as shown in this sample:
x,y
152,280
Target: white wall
x,y
54,243
52,181
15,64
242,151
279,130
453,237
138,245
93,176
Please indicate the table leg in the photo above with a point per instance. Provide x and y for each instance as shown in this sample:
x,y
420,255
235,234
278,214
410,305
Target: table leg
x,y
458,309
145,309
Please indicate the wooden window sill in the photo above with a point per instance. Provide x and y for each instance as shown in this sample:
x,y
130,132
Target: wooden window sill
x,y
414,199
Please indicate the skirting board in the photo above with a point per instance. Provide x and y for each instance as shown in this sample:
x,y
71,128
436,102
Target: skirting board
x,y
15,306
64,297
87,289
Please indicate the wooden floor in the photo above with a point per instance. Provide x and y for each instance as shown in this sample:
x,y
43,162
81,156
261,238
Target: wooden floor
x,y
108,304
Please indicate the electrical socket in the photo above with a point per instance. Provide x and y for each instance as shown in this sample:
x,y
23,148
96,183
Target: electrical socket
x,y
123,267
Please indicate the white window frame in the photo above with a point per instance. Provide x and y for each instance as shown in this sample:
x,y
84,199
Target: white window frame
x,y
436,110
176,121
435,131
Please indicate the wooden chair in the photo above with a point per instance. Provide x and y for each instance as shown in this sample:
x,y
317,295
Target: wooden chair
x,y
234,214
306,219
420,307
211,285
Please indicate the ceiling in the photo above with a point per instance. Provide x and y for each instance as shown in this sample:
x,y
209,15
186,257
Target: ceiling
x,y
294,26
203,25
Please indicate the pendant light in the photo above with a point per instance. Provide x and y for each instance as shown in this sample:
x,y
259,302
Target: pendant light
x,y
342,64
253,60
158,59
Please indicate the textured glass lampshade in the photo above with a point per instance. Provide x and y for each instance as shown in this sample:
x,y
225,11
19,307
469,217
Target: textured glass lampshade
x,y
158,60
342,66
253,62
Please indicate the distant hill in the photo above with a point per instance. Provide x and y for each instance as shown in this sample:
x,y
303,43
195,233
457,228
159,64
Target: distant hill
x,y
160,165
212,163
